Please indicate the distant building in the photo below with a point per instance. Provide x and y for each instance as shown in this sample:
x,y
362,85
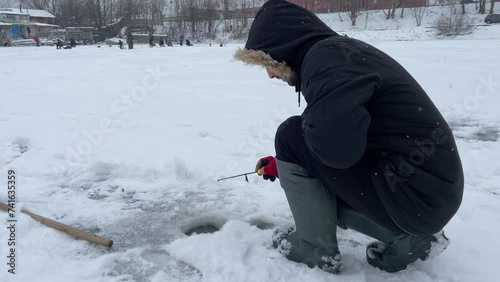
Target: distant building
x,y
328,6
317,6
24,23
14,24
40,16
41,21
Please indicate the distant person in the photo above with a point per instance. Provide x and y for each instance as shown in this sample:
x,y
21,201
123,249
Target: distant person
x,y
59,44
151,40
72,43
37,40
130,40
181,38
162,42
120,44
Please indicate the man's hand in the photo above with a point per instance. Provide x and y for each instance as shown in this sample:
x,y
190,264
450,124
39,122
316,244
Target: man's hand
x,y
267,168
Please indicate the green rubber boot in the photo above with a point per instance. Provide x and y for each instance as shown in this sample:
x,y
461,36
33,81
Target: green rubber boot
x,y
395,250
313,240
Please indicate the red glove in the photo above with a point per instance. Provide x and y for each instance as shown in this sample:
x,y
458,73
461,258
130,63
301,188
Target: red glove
x,y
267,168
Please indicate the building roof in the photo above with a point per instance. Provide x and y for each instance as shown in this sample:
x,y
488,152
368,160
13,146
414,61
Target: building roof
x,y
39,13
31,12
12,11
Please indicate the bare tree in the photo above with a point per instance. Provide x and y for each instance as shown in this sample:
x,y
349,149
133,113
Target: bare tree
x,y
52,6
418,13
150,14
366,19
392,7
390,10
453,23
492,5
71,13
126,9
482,6
214,17
402,6
451,4
244,15
36,4
9,3
353,10
96,12
192,11
178,14
210,15
157,11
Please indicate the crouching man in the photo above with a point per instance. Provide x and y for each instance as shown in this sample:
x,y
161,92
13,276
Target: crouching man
x,y
370,152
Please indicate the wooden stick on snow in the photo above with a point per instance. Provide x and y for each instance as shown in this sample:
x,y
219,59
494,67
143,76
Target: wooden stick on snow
x,y
64,228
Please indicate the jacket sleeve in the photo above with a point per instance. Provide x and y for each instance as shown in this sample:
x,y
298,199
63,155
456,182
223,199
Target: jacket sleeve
x,y
335,122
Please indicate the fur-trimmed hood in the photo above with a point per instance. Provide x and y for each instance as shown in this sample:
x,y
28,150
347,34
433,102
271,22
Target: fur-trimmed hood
x,y
280,36
259,58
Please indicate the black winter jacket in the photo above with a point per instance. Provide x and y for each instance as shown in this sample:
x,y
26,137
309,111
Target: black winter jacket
x,y
362,104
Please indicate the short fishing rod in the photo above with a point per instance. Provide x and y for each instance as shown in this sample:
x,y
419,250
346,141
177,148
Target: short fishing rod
x,y
243,174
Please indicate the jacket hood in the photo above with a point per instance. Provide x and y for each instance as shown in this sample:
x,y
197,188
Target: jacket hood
x,y
281,35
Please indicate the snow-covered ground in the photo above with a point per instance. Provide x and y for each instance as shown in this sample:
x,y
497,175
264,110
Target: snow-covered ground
x,y
129,144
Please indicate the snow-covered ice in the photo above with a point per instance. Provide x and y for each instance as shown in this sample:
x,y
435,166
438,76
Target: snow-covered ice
x,y
129,144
